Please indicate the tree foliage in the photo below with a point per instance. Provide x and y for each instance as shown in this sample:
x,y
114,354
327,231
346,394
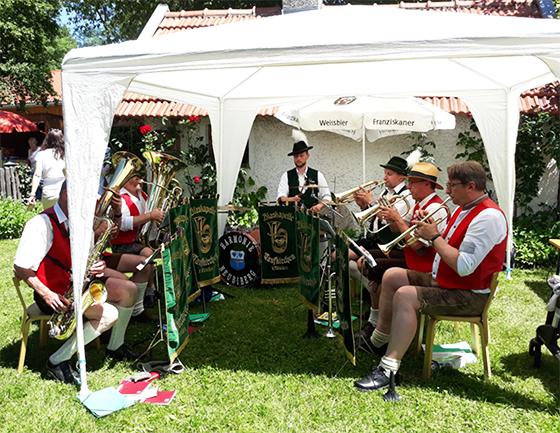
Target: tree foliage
x,y
28,30
104,22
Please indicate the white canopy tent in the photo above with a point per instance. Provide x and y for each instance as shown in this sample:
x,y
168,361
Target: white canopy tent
x,y
234,70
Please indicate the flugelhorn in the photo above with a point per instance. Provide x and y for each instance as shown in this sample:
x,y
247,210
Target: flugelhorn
x,y
364,216
348,196
125,165
408,237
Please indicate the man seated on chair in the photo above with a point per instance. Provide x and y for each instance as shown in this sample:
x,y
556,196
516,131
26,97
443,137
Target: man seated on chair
x,y
394,178
133,216
468,252
43,261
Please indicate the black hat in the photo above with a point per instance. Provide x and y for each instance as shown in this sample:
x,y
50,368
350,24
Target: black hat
x,y
397,164
300,143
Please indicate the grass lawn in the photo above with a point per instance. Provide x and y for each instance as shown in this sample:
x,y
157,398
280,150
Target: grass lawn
x,y
249,370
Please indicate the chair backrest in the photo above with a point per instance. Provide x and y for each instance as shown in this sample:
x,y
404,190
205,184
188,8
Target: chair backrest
x,y
16,281
492,295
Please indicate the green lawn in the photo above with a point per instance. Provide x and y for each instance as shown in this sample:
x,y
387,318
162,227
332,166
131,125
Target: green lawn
x,y
249,370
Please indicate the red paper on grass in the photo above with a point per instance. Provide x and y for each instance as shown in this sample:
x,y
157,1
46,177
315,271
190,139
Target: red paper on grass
x,y
133,388
162,398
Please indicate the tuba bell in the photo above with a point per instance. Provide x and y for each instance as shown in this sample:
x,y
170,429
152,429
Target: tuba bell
x,y
126,165
163,189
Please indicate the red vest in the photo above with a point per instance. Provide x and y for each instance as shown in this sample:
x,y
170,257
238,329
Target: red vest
x,y
54,269
421,260
128,237
493,262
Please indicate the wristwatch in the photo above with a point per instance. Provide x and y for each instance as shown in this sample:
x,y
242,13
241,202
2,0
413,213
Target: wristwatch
x,y
433,239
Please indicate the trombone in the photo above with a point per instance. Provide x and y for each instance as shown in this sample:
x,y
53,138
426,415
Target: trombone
x,y
408,237
364,216
348,196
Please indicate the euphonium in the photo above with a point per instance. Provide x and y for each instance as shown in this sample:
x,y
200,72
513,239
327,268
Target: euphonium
x,y
408,237
126,165
364,216
162,169
348,196
61,325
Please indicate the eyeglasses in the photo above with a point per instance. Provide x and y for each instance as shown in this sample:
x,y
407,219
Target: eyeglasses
x,y
453,184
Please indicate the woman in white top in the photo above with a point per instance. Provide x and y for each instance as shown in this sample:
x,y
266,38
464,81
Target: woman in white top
x,y
49,167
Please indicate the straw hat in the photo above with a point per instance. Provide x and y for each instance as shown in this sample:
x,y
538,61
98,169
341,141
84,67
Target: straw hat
x,y
425,171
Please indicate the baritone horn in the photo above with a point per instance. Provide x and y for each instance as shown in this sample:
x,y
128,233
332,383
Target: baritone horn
x,y
348,196
408,237
364,216
125,165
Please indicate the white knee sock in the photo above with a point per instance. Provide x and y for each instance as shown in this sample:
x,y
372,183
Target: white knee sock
x,y
119,329
390,365
373,315
139,305
378,338
65,352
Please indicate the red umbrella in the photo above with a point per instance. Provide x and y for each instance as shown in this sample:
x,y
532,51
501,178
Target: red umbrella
x,y
12,122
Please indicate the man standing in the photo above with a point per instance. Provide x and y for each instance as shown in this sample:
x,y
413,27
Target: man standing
x,y
43,261
303,183
468,252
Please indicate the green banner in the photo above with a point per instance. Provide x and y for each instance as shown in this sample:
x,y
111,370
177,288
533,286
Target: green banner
x,y
343,298
278,244
309,255
176,298
180,227
204,220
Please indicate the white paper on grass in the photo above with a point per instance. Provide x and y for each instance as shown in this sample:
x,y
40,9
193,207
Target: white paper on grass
x,y
454,355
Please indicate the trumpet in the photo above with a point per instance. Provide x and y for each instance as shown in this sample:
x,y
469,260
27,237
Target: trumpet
x,y
364,216
408,237
348,196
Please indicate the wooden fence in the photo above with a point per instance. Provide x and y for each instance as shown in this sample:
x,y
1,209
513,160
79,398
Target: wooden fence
x,y
9,183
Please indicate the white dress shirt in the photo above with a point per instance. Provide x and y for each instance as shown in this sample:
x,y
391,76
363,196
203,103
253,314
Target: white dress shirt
x,y
400,206
37,239
323,193
127,219
52,172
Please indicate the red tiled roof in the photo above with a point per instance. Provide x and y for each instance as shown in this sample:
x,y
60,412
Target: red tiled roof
x,y
134,105
517,8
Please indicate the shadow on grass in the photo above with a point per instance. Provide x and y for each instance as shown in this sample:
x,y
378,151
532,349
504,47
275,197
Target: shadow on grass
x,y
36,357
541,289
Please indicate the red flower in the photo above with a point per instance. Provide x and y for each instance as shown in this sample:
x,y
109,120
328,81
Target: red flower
x,y
196,179
145,129
194,119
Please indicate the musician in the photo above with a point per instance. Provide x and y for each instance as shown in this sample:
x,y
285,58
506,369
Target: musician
x,y
292,187
43,261
468,252
422,183
133,216
394,177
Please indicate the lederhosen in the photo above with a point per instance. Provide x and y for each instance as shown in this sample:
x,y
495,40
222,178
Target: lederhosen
x,y
396,257
309,197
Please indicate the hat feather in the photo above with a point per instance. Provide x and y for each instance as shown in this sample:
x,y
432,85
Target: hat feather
x,y
413,158
298,135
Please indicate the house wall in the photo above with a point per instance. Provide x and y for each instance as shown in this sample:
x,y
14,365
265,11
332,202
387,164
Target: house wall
x,y
340,158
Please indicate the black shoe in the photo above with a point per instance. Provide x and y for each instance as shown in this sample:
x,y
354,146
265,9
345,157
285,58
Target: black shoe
x,y
367,330
367,346
377,379
63,372
143,317
123,353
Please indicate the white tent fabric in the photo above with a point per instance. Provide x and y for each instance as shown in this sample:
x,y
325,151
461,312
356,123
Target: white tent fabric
x,y
235,69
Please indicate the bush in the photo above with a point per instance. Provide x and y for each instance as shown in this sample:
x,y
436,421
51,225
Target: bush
x,y
13,216
531,233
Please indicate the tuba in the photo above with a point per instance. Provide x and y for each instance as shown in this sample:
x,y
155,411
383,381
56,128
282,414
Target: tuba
x,y
61,325
163,189
126,165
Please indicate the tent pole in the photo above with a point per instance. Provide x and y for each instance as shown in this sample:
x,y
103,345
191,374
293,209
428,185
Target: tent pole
x,y
363,153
